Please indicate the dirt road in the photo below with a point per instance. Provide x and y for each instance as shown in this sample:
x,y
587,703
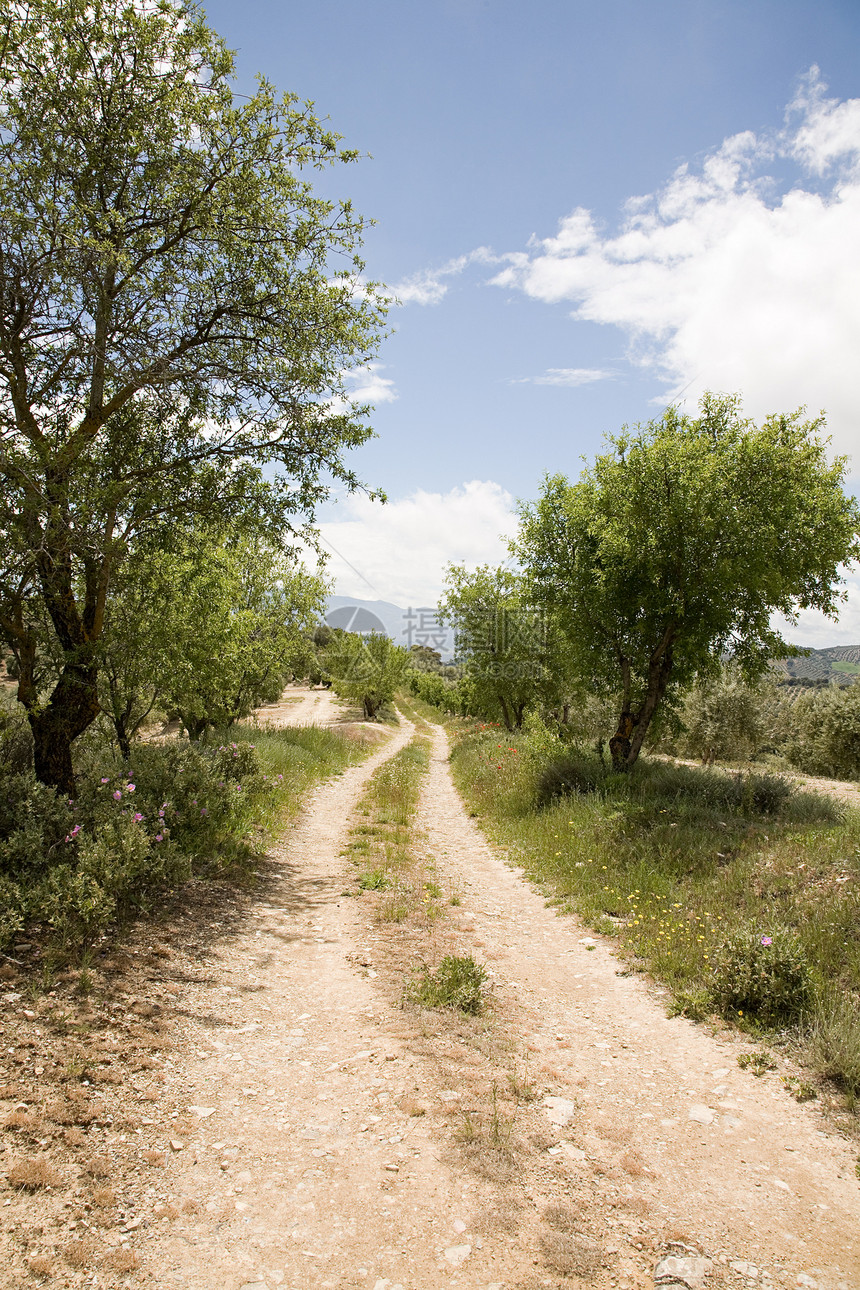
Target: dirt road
x,y
312,1163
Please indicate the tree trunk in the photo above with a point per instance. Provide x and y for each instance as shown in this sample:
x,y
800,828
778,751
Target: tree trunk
x,y
659,672
621,742
196,726
73,706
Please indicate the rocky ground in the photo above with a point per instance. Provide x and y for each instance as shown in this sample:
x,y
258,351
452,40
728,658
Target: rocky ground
x,y
238,1098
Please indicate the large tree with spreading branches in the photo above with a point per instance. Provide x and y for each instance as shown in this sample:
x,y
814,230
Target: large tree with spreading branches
x,y
675,550
179,317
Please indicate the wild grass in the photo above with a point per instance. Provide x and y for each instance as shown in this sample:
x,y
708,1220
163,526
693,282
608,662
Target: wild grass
x,y
457,982
383,846
707,879
298,757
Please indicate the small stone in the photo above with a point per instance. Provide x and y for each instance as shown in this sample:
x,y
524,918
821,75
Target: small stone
x,y
456,1255
700,1113
804,1279
682,1269
254,1285
203,1111
393,1169
783,1186
459,1225
176,1144
559,1110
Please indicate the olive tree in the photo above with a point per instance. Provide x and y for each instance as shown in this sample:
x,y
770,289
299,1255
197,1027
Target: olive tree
x,y
209,630
178,311
504,641
369,669
675,549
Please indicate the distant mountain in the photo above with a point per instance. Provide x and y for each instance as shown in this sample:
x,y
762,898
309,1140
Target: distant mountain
x,y
840,663
405,626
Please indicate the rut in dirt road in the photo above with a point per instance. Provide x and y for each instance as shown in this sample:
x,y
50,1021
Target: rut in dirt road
x,y
305,1171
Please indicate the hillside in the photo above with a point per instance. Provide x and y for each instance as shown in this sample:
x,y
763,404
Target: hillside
x,y
840,663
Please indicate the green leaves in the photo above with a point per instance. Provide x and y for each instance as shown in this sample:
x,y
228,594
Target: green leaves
x,y
368,669
510,648
177,312
681,542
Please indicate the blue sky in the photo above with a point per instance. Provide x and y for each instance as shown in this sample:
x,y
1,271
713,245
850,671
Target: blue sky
x,y
586,210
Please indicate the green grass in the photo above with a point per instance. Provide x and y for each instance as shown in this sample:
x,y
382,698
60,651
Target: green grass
x,y
304,756
383,847
458,982
674,862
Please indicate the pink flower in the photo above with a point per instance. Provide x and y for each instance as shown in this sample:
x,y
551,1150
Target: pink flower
x,y
130,788
117,796
106,780
767,940
137,818
159,837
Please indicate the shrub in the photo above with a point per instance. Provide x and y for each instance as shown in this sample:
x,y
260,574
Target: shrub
x,y
762,794
765,977
825,732
458,982
80,866
571,772
723,718
208,793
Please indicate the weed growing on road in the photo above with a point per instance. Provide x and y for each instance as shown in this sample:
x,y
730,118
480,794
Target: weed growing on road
x,y
384,846
759,1062
458,982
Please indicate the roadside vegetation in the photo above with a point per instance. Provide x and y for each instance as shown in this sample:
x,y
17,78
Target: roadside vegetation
x,y
74,870
738,890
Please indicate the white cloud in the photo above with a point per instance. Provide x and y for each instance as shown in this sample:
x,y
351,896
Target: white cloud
x,y
368,386
398,552
428,287
572,376
817,632
724,282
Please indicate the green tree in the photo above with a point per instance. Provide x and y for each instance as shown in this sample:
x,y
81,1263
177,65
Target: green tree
x,y
725,716
210,631
367,669
505,643
676,548
824,734
177,312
